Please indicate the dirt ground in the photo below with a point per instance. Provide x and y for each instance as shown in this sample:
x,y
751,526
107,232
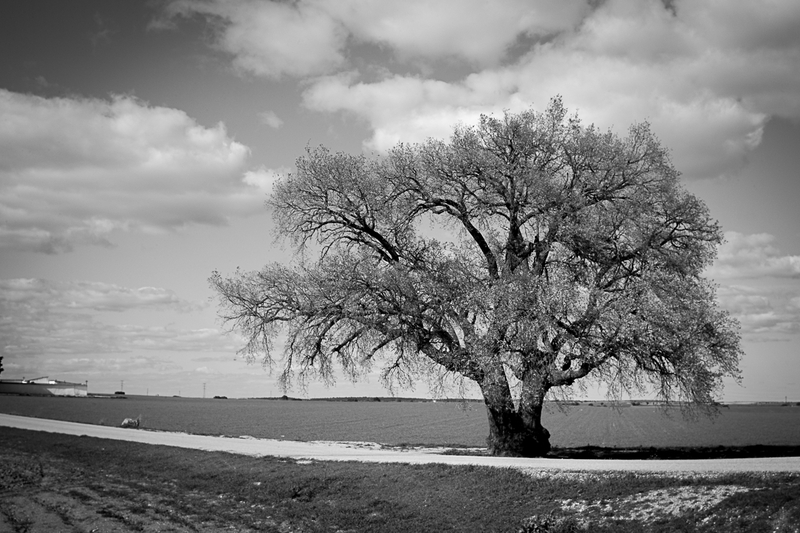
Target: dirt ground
x,y
52,497
48,496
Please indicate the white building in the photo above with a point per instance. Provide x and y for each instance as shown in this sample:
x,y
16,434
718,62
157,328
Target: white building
x,y
43,386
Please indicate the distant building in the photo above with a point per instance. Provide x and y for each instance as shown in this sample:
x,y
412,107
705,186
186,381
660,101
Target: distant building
x,y
43,386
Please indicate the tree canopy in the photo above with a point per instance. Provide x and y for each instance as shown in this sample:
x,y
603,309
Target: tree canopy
x,y
524,254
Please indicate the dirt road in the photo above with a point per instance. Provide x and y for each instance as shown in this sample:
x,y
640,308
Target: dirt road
x,y
338,451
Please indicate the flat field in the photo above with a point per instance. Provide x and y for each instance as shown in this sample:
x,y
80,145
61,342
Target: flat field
x,y
428,423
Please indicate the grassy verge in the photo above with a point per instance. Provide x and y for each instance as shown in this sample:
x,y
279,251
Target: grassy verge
x,y
648,452
203,491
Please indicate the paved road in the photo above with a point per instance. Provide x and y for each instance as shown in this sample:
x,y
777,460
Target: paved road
x,y
336,451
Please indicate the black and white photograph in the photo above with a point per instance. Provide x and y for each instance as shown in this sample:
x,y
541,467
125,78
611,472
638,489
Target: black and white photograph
x,y
369,266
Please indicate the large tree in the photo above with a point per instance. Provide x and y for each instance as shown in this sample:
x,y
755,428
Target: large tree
x,y
525,254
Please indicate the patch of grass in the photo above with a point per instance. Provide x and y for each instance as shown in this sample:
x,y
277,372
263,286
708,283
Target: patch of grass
x,y
270,494
775,508
687,452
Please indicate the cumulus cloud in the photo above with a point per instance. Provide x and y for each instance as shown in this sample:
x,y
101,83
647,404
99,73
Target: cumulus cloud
x,y
706,75
627,62
405,108
751,256
310,37
708,135
462,29
271,39
73,171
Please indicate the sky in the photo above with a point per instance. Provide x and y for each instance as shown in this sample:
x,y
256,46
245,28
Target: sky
x,y
139,140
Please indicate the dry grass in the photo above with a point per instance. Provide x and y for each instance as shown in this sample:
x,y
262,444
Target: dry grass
x,y
74,482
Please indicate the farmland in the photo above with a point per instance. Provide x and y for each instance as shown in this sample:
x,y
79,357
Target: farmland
x,y
441,423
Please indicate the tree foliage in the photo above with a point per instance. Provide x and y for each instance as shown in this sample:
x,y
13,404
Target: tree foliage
x,y
529,249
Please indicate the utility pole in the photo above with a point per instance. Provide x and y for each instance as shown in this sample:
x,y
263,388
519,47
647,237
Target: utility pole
x,y
204,390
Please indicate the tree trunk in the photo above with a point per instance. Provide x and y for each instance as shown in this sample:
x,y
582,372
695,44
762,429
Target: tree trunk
x,y
514,432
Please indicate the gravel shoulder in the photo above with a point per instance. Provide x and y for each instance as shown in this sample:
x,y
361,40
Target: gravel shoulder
x,y
341,451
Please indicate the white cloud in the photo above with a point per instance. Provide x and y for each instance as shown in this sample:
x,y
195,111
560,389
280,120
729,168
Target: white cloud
x,y
272,39
73,171
270,119
751,256
757,25
706,75
761,311
463,29
88,295
55,333
622,66
404,108
752,51
759,292
708,136
265,178
628,61
309,37
95,368
48,318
